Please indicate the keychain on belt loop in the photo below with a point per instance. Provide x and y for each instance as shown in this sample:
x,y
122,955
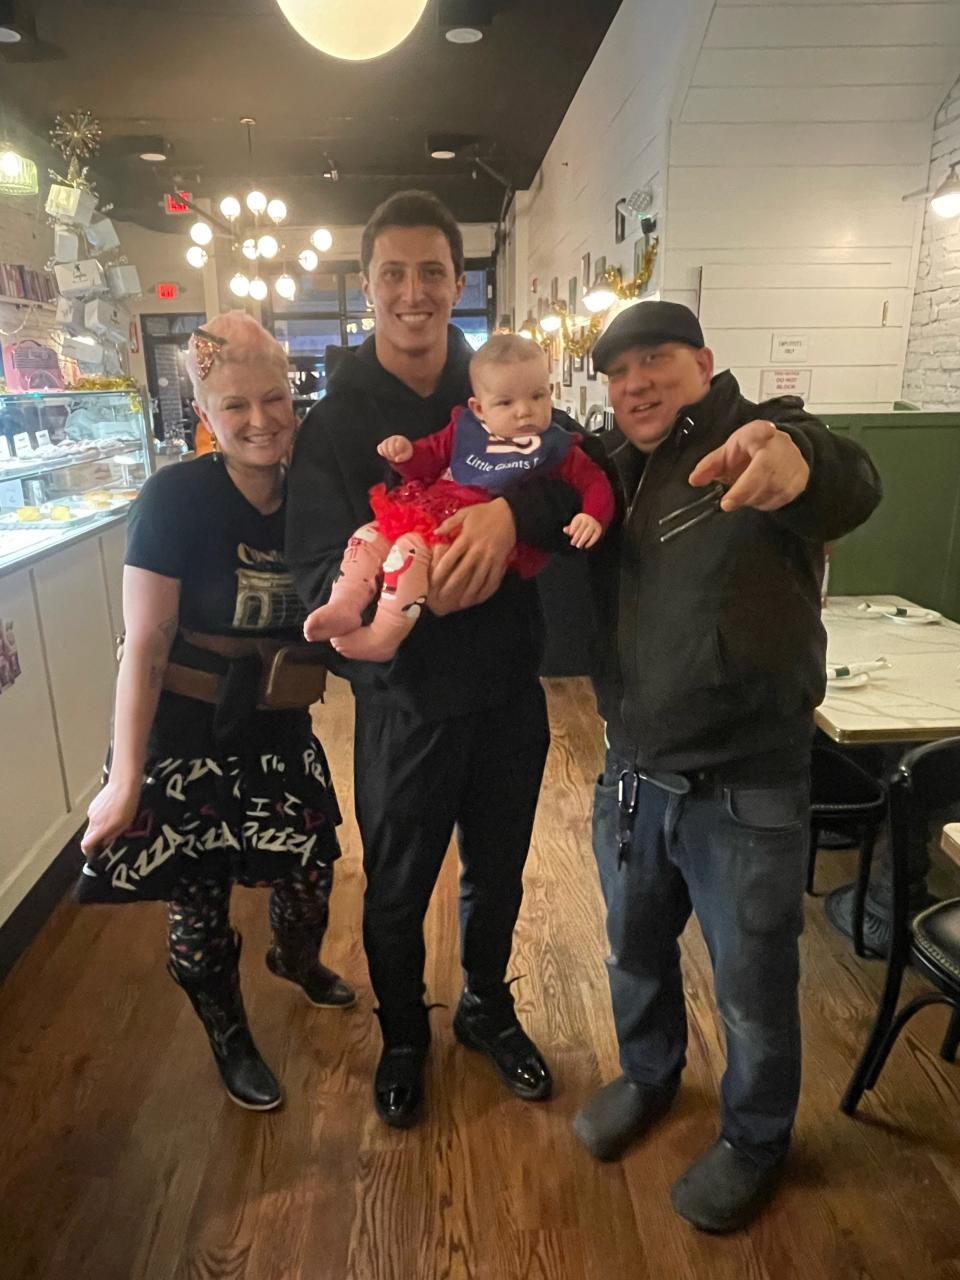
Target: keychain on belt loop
x,y
628,792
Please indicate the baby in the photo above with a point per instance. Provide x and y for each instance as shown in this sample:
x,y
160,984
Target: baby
x,y
505,434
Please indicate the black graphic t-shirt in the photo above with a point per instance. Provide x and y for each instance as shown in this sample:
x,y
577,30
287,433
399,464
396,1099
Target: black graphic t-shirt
x,y
192,523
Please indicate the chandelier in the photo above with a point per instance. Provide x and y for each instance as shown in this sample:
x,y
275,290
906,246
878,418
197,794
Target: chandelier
x,y
354,30
252,228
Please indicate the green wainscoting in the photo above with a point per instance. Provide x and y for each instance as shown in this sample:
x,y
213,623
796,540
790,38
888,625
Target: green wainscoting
x,y
910,546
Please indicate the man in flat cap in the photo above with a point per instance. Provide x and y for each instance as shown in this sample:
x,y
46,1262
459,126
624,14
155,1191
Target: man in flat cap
x,y
711,600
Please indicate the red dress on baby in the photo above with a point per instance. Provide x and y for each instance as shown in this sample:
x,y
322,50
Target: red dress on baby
x,y
464,464
460,466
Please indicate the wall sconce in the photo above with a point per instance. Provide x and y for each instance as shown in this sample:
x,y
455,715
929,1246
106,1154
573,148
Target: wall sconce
x,y
608,289
531,328
945,201
604,291
577,334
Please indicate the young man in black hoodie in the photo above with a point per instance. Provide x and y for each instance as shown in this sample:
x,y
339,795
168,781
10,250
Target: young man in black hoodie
x,y
453,731
715,666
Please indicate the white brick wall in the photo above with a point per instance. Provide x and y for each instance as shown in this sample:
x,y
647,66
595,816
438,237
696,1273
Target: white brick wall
x,y
931,376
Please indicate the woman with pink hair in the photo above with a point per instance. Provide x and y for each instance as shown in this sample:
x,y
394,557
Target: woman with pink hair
x,y
215,776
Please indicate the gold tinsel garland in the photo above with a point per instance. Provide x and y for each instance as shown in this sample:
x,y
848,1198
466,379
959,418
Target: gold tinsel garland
x,y
96,382
100,382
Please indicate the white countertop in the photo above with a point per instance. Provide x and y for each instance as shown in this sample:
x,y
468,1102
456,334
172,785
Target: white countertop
x,y
916,700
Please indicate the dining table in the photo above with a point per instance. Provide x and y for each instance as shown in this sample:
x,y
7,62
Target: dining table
x,y
914,699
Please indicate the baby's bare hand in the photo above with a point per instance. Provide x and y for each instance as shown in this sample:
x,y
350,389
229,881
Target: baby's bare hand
x,y
583,530
396,449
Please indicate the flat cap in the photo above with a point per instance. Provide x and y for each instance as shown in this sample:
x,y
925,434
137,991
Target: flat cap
x,y
647,324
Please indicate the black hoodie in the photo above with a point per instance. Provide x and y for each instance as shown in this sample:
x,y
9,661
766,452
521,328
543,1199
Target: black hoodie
x,y
480,657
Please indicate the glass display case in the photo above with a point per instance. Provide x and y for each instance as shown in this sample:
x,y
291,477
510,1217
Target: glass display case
x,y
70,463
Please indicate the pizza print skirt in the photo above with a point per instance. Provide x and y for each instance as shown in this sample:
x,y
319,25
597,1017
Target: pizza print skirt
x,y
255,819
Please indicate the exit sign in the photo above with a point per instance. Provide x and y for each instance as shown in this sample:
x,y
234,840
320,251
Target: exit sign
x,y
177,203
168,291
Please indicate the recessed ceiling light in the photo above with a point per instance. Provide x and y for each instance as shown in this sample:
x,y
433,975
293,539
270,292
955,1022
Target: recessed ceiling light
x,y
464,35
154,157
443,155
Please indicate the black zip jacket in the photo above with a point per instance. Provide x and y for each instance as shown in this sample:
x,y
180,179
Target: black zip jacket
x,y
479,657
719,653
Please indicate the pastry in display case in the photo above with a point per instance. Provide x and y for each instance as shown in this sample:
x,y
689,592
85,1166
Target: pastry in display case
x,y
69,461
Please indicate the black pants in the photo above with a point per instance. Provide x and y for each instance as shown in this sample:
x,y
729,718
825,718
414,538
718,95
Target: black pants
x,y
415,782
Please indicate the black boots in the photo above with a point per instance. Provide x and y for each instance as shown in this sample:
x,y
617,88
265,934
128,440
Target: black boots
x,y
293,956
398,1083
489,1024
217,1001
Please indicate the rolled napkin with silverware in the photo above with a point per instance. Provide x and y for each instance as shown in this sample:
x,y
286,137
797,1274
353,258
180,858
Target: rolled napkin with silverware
x,y
898,612
841,670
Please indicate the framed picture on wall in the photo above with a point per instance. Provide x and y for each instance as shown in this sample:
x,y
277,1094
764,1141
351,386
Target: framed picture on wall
x,y
578,364
619,223
599,269
583,401
585,278
572,295
554,288
639,248
567,368
591,371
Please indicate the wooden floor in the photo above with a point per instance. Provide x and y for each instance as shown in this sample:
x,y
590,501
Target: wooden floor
x,y
120,1158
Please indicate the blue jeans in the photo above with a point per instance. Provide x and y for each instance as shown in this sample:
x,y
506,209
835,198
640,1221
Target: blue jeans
x,y
737,856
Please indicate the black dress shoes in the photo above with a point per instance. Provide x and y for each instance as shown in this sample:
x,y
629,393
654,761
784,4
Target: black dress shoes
x,y
620,1113
398,1085
490,1026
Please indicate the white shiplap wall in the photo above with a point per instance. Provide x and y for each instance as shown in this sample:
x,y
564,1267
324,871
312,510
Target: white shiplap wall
x,y
931,376
613,140
802,126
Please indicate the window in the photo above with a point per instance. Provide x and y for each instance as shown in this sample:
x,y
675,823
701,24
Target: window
x,y
330,310
472,313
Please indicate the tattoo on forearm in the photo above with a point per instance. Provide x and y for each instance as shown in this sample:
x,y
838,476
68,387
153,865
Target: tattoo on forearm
x,y
167,631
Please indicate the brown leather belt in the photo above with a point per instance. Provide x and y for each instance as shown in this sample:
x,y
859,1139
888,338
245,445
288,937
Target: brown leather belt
x,y
292,675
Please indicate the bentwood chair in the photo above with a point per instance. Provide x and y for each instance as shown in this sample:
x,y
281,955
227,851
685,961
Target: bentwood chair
x,y
928,780
846,799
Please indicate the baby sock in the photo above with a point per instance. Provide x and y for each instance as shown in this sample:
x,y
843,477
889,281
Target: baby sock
x,y
406,573
353,589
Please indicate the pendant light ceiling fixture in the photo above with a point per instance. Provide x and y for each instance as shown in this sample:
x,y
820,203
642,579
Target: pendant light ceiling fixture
x,y
353,30
18,175
249,239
